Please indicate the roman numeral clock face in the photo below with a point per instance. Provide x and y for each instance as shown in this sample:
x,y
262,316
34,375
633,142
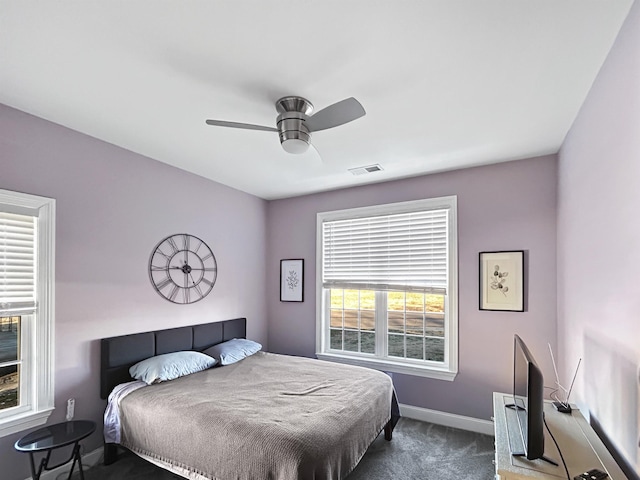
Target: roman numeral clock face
x,y
183,269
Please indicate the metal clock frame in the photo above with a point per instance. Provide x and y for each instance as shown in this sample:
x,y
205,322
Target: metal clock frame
x,y
182,268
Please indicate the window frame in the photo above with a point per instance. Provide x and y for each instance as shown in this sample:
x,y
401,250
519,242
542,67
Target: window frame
x,y
446,370
38,331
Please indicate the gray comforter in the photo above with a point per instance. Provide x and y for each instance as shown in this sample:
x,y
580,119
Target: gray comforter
x,y
266,417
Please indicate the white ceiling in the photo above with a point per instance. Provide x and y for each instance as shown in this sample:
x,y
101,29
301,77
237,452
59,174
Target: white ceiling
x,y
446,83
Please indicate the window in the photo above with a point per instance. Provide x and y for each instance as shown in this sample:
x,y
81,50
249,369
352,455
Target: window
x,y
387,287
10,360
26,310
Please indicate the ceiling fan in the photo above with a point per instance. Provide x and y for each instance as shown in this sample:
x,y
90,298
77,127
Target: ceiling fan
x,y
295,123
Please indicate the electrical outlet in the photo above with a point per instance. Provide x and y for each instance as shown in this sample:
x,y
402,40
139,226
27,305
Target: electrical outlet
x,y
71,405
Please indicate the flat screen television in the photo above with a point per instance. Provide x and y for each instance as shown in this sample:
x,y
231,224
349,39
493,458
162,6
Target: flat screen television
x,y
528,401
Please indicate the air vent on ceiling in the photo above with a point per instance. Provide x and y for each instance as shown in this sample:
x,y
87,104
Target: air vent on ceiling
x,y
367,169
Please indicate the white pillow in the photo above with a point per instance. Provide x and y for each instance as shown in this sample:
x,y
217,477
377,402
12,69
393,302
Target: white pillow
x,y
170,366
233,351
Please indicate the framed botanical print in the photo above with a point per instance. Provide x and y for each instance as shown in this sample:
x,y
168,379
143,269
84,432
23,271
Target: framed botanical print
x,y
502,281
292,280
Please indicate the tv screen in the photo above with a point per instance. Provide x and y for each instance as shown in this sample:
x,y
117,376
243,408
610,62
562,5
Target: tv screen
x,y
528,400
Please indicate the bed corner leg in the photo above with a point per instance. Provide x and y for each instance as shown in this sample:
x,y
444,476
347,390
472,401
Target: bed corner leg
x,y
110,453
388,431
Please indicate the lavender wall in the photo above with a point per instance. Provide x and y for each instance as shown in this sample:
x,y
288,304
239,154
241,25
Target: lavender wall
x,y
509,206
113,207
599,245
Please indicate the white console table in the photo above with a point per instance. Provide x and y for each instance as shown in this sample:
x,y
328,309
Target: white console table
x,y
580,446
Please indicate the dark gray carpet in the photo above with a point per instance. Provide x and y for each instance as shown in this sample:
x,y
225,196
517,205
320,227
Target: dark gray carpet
x,y
426,451
418,451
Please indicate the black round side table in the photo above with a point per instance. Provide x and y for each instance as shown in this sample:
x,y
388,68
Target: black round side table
x,y
49,438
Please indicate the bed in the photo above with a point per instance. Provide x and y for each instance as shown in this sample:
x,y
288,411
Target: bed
x,y
265,417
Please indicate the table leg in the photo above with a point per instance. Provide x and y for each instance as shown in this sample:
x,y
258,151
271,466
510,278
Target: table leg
x,y
76,457
34,474
80,464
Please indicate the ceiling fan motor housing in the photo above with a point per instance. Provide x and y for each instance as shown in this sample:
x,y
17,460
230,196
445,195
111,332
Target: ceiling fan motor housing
x,y
294,134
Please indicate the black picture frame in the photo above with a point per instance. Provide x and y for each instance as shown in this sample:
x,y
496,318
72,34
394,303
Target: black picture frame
x,y
501,281
292,280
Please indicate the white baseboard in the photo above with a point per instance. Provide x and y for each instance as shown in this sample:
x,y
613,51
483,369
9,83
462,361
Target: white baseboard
x,y
447,419
88,460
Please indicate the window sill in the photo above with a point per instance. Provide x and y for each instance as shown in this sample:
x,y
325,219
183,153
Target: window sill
x,y
391,366
21,422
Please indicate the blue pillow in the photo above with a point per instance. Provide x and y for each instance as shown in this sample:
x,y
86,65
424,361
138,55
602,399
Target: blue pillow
x,y
170,366
233,351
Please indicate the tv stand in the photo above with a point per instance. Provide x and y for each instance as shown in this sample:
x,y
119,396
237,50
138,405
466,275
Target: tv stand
x,y
543,458
581,447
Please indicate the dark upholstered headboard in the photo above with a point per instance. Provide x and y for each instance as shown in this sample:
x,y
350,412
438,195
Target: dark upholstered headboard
x,y
118,354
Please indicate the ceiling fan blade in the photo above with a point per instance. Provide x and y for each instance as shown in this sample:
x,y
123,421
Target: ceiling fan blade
x,y
247,126
334,115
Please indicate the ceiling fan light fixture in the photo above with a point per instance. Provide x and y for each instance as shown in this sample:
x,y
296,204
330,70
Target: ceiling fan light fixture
x,y
296,138
295,145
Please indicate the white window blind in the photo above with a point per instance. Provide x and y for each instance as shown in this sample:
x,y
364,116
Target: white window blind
x,y
406,251
17,263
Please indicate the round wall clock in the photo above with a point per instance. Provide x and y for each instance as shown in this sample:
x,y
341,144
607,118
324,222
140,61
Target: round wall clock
x,y
183,268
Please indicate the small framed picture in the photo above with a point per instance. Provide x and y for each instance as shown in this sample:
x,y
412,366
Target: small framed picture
x,y
502,281
292,280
